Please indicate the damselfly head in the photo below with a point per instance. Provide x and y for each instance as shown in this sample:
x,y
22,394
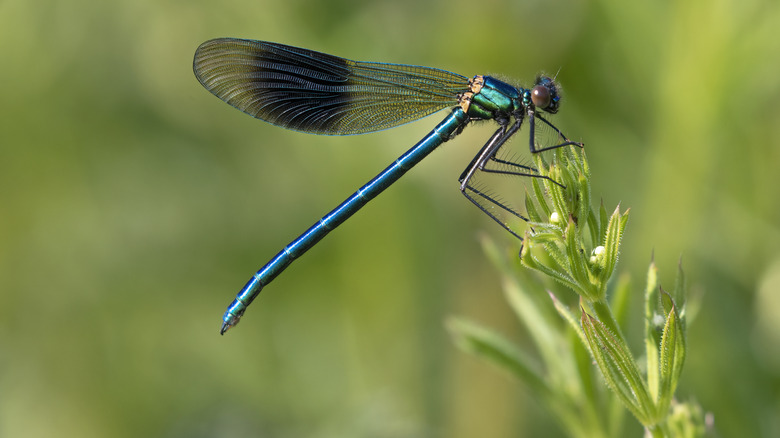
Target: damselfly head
x,y
545,95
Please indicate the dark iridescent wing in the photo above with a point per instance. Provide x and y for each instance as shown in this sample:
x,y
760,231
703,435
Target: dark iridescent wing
x,y
319,93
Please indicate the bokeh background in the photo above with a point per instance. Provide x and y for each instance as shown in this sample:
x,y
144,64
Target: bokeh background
x,y
134,204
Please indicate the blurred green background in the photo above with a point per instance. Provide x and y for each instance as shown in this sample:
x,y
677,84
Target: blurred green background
x,y
134,205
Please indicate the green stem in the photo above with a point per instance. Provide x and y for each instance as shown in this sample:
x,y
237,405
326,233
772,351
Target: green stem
x,y
656,431
604,313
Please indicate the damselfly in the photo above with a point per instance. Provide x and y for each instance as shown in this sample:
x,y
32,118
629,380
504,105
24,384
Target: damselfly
x,y
314,92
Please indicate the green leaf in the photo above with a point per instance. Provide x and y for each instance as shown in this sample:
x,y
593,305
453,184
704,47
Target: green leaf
x,y
475,339
536,185
528,260
679,294
615,228
593,227
496,255
578,265
531,211
618,368
688,420
620,299
602,222
583,202
672,357
652,330
569,317
544,326
555,193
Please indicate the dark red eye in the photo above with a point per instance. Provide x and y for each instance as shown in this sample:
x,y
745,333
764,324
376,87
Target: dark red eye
x,y
540,96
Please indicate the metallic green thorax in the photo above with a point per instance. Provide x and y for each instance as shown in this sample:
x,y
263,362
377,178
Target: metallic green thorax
x,y
493,99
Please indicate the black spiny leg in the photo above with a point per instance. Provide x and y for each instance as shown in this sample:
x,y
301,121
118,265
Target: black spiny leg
x,y
486,154
532,117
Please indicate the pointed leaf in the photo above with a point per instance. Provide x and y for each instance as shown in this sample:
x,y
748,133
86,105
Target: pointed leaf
x,y
615,228
672,358
531,211
577,264
618,368
492,347
603,221
528,260
583,203
593,227
536,185
680,293
569,317
543,325
496,255
652,332
620,299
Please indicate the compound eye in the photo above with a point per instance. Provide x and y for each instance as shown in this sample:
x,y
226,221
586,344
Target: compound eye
x,y
540,96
